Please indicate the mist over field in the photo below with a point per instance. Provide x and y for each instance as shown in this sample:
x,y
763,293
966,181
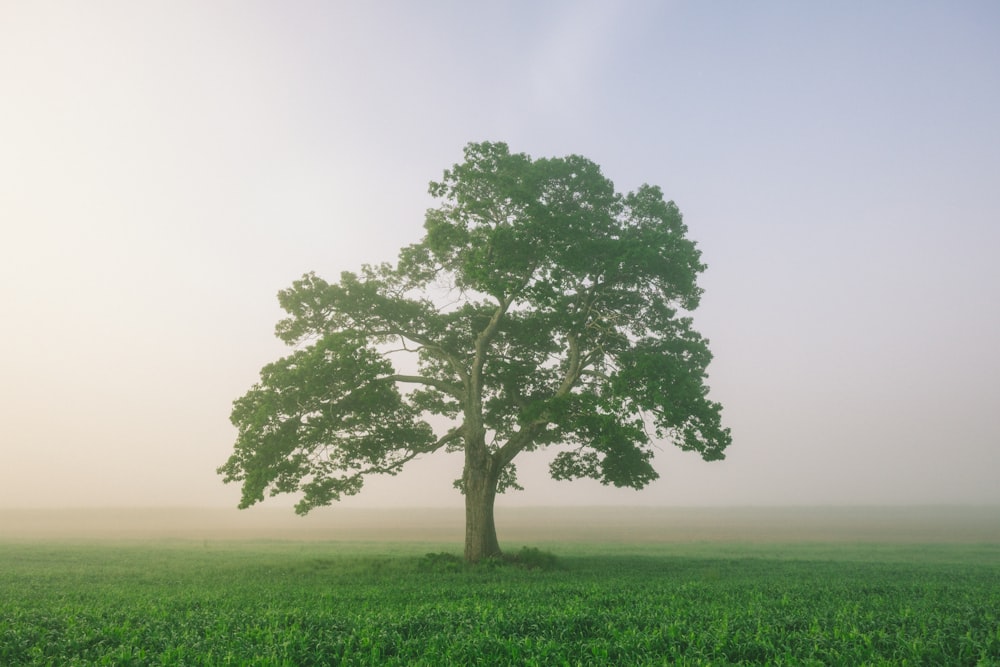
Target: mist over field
x,y
518,526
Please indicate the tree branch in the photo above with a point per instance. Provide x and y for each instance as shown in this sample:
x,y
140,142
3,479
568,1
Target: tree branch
x,y
394,467
446,387
452,435
428,345
574,367
475,380
527,433
486,335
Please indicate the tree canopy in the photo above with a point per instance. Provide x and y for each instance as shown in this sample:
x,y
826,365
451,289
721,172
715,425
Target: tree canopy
x,y
541,308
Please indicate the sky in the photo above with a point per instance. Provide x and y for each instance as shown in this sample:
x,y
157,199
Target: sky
x,y
167,167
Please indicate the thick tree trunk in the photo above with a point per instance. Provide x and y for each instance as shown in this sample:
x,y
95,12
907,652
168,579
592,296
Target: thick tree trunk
x,y
480,483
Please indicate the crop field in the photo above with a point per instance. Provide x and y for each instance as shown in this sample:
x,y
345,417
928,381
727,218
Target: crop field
x,y
159,601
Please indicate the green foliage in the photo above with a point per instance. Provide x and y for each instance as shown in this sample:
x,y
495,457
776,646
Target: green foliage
x,y
533,558
529,558
541,308
315,414
320,604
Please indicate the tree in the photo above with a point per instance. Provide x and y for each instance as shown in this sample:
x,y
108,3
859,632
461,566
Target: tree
x,y
541,308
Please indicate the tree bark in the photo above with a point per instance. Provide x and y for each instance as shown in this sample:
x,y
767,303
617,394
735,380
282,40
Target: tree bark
x,y
480,481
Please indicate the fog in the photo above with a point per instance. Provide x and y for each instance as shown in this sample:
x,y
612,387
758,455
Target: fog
x,y
168,167
607,525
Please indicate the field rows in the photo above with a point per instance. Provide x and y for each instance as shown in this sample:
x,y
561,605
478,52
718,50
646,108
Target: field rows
x,y
320,604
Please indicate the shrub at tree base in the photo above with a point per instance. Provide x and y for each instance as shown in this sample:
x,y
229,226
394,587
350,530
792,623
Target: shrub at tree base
x,y
528,558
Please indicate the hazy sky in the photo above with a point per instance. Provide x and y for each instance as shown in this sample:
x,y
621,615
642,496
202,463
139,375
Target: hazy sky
x,y
167,167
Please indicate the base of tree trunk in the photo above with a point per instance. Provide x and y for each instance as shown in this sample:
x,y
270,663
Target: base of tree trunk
x,y
480,528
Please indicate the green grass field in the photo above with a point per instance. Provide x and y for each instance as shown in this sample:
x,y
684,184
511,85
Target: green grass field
x,y
188,602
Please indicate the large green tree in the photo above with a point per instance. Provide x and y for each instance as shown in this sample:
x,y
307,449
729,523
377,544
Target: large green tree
x,y
541,308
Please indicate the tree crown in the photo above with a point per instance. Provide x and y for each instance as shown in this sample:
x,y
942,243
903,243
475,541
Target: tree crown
x,y
542,308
